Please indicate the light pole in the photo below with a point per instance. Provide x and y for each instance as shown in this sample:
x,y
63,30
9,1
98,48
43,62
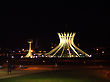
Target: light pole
x,y
9,64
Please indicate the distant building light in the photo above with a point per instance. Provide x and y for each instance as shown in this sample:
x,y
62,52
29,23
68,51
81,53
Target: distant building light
x,y
42,55
80,54
22,49
97,49
72,56
44,51
36,56
21,56
43,61
13,51
40,51
7,61
32,50
90,55
51,56
12,56
103,52
19,51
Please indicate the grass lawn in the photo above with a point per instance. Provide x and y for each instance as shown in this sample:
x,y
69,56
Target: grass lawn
x,y
58,76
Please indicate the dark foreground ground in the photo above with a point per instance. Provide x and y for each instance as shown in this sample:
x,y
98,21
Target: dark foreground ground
x,y
64,73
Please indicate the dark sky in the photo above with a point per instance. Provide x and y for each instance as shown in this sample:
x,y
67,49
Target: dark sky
x,y
90,24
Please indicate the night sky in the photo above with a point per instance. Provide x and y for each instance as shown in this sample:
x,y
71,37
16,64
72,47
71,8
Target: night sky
x,y
90,24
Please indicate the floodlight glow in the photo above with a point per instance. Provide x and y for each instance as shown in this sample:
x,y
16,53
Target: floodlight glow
x,y
67,47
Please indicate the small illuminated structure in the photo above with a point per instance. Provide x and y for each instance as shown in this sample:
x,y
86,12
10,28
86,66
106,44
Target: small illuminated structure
x,y
30,51
66,47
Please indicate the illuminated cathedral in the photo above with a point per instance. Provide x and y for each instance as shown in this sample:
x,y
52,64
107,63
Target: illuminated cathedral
x,y
67,47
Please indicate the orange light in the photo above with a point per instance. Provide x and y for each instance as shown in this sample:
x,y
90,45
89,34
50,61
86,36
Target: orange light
x,y
40,51
44,51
